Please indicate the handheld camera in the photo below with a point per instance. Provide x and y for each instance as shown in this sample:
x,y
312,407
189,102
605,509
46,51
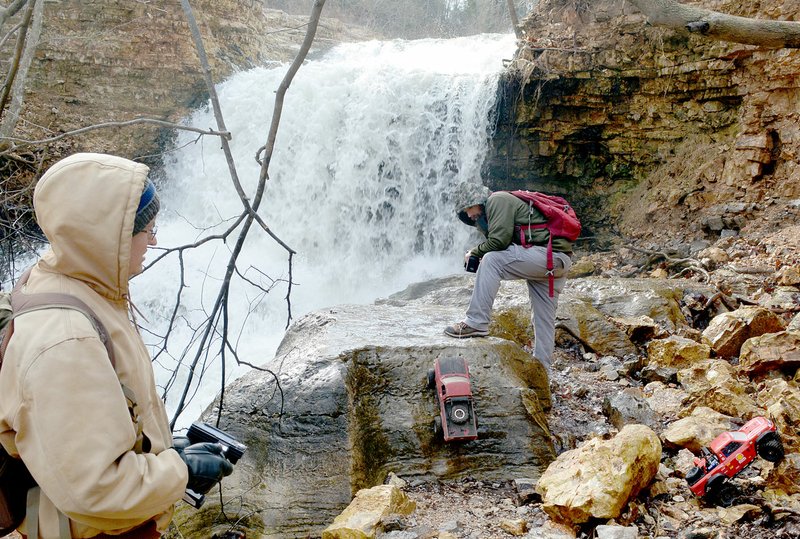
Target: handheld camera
x,y
471,265
232,449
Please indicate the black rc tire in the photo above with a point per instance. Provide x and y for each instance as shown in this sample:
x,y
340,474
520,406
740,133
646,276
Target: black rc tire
x,y
770,448
431,379
437,427
726,494
694,475
720,491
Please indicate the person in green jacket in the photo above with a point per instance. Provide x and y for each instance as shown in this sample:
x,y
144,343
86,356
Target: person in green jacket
x,y
502,257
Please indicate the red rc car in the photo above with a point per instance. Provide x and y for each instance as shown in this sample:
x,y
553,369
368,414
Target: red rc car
x,y
449,377
729,454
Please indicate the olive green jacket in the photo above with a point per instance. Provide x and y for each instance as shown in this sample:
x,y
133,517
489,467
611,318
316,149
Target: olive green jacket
x,y
503,212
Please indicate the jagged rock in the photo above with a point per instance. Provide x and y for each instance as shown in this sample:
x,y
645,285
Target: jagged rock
x,y
552,530
641,329
597,479
683,462
785,476
526,491
701,533
697,430
728,331
629,407
781,398
782,298
714,383
393,479
659,373
713,257
582,267
663,400
769,352
794,325
517,527
789,275
675,351
362,518
591,308
616,532
731,515
400,534
590,326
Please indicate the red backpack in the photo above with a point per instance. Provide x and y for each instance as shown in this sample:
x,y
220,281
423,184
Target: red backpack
x,y
562,222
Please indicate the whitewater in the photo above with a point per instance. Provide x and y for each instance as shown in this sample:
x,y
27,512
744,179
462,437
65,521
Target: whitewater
x,y
373,137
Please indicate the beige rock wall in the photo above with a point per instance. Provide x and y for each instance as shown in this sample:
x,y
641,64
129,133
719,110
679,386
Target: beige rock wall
x,y
662,126
113,60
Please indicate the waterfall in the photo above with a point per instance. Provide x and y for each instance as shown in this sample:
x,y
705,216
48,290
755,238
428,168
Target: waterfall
x,y
373,137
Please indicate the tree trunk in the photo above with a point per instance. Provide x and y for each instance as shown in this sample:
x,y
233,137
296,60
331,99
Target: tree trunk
x,y
765,33
512,9
11,116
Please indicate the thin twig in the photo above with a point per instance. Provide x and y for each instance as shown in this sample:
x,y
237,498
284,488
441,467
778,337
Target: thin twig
x,y
25,142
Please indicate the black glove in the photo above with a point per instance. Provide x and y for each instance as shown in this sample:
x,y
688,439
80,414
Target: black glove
x,y
206,465
180,443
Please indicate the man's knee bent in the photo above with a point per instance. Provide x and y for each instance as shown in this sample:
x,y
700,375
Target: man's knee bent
x,y
493,259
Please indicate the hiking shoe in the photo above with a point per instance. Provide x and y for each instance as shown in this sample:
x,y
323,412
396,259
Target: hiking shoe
x,y
461,331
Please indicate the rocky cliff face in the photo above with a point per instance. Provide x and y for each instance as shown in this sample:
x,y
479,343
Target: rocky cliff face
x,y
653,129
113,60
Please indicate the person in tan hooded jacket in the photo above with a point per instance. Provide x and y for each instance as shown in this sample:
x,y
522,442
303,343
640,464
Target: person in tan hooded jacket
x,y
62,406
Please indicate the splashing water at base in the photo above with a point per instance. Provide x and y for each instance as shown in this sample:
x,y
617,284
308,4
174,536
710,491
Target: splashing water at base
x,y
372,139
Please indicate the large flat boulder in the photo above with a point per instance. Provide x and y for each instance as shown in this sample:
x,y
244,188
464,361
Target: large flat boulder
x,y
353,405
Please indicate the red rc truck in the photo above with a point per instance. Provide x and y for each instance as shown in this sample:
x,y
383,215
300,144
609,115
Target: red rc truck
x,y
729,454
449,377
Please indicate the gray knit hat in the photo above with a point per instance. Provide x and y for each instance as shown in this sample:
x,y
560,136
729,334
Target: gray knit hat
x,y
466,195
148,207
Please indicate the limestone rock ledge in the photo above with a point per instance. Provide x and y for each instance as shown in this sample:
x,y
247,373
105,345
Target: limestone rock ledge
x,y
663,132
114,60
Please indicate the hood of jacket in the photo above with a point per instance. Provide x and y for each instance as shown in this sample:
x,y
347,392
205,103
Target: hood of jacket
x,y
467,195
86,205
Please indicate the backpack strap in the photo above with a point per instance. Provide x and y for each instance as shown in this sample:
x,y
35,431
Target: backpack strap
x,y
22,303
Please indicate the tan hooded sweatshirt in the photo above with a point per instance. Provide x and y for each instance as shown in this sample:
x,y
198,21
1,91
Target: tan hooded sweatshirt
x,y
62,408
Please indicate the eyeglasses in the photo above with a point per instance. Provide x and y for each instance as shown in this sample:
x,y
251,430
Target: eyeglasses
x,y
151,234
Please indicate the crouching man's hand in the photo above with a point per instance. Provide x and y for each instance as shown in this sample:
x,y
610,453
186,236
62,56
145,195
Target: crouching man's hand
x,y
207,466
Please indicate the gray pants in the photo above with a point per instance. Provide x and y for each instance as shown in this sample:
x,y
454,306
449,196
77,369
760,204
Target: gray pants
x,y
530,264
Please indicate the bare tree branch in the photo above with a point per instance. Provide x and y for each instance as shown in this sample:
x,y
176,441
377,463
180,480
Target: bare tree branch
x,y
715,25
9,34
161,123
219,310
8,12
